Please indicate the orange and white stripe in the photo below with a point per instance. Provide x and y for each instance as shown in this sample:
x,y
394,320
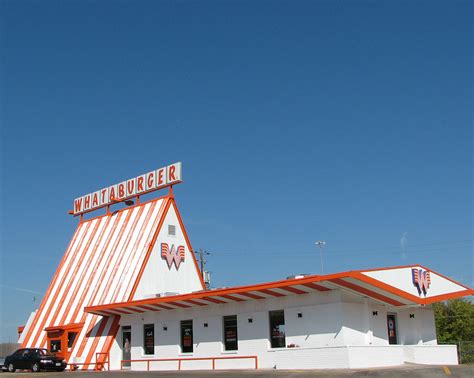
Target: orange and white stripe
x,y
100,266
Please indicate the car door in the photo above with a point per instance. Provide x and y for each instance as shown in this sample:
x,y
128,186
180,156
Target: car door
x,y
25,360
16,357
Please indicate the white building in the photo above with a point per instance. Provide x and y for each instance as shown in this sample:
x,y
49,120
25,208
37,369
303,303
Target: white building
x,y
128,294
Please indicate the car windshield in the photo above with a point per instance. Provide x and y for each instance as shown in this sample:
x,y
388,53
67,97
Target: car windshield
x,y
44,352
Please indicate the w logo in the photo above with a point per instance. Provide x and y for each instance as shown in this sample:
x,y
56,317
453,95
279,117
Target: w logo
x,y
172,254
422,280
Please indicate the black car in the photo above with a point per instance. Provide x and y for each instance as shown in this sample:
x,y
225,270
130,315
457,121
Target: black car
x,y
34,359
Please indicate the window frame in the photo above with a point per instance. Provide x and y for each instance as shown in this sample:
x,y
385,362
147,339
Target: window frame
x,y
146,349
183,324
225,333
277,341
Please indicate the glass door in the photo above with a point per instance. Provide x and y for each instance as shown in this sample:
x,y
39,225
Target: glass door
x,y
392,328
126,346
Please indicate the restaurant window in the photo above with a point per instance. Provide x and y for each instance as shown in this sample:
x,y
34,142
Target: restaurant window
x,y
277,329
71,336
55,346
230,332
186,336
149,338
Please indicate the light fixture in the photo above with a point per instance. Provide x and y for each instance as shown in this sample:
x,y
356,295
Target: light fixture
x,y
129,202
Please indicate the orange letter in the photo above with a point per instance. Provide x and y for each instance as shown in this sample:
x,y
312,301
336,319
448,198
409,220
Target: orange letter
x,y
102,192
150,180
78,205
160,177
171,174
95,200
140,184
121,190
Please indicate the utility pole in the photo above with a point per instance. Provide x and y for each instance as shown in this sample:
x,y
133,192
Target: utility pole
x,y
202,262
321,244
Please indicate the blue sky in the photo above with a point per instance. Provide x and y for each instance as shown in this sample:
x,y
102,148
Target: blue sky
x,y
343,121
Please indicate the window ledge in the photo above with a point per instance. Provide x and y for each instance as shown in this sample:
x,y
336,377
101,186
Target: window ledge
x,y
230,352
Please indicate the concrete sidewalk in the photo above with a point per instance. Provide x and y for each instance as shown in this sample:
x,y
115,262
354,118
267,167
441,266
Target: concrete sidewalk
x,y
415,371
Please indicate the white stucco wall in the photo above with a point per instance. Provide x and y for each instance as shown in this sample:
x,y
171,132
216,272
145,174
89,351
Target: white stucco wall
x,y
157,276
335,331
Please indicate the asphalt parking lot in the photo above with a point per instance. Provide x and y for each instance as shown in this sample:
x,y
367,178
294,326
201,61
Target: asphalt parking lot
x,y
412,371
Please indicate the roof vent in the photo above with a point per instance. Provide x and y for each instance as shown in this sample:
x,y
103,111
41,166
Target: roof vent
x,y
297,276
165,294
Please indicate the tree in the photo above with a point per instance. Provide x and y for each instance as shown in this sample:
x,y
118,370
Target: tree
x,y
455,325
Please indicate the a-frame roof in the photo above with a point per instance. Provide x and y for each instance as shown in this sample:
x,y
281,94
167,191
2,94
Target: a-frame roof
x,y
102,264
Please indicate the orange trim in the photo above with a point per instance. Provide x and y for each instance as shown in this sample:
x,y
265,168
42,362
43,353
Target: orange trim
x,y
179,304
50,287
413,266
101,280
195,302
179,360
166,203
270,292
95,271
445,297
127,208
308,281
213,300
125,251
149,308
188,243
251,295
143,252
70,282
365,291
316,286
102,324
114,201
64,327
381,285
294,290
163,306
53,303
411,297
110,338
227,296
134,226
73,297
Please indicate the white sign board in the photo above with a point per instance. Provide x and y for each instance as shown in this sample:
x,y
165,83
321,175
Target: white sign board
x,y
148,182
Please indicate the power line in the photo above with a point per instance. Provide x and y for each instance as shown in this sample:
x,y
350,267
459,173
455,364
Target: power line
x,y
308,253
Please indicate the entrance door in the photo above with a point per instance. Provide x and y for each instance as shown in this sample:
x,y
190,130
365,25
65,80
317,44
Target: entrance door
x,y
392,328
126,345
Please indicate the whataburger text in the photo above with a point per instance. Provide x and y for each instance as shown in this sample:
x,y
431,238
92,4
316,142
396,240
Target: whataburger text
x,y
147,182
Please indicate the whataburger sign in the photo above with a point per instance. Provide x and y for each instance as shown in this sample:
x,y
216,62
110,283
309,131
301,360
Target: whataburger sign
x,y
142,184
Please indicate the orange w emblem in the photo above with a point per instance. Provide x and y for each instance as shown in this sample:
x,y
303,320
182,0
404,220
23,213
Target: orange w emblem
x,y
421,280
172,254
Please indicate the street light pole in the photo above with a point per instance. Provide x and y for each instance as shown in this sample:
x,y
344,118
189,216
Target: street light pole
x,y
321,244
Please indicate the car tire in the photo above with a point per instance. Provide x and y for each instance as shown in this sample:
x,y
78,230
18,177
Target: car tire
x,y
11,368
35,368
